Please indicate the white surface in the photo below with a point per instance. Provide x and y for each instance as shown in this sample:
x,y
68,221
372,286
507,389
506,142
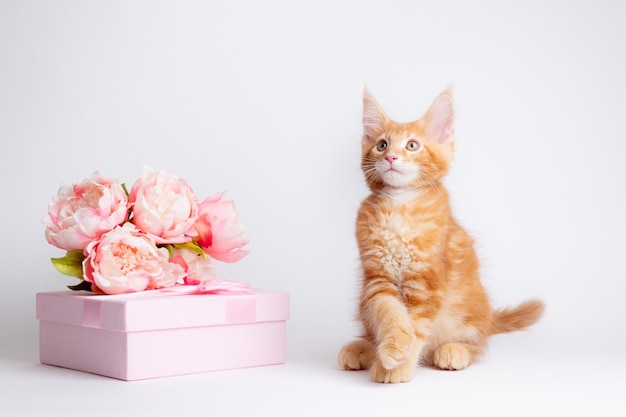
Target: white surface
x,y
263,99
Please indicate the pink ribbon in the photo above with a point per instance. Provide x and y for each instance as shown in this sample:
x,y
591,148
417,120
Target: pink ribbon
x,y
212,286
92,313
237,311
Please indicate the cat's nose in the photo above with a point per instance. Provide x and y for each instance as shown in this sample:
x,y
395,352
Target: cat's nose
x,y
391,158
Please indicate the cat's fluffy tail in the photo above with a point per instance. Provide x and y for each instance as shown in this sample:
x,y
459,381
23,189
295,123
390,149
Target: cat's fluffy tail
x,y
510,319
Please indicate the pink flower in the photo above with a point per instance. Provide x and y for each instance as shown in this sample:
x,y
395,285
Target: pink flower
x,y
125,260
82,212
164,207
219,231
199,268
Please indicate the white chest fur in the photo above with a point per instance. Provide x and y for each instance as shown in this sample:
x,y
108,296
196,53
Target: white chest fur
x,y
395,238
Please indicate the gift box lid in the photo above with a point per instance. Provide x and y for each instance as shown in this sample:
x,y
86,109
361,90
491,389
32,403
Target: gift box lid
x,y
149,311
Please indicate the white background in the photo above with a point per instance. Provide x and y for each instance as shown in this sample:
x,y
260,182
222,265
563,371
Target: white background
x,y
263,100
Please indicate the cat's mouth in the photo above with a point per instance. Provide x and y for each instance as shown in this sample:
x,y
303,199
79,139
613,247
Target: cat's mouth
x,y
393,169
393,174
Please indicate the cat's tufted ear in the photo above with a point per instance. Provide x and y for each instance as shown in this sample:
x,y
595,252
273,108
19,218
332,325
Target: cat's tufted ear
x,y
373,118
440,118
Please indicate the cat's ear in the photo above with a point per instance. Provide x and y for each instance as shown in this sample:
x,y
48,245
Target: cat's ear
x,y
373,118
440,118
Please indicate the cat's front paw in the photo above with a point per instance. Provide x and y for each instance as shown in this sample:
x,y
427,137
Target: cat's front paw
x,y
356,355
401,373
395,349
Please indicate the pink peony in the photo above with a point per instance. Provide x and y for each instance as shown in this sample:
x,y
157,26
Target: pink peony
x,y
199,268
164,207
125,260
81,213
219,231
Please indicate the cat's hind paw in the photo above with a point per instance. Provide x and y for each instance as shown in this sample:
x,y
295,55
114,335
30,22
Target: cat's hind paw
x,y
453,356
356,355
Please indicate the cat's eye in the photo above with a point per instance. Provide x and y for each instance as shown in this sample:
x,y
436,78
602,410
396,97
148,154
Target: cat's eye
x,y
381,145
413,145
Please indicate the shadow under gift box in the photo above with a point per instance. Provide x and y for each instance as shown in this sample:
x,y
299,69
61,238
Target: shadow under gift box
x,y
146,335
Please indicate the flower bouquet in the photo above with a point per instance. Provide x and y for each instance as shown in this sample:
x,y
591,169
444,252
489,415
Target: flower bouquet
x,y
156,306
156,236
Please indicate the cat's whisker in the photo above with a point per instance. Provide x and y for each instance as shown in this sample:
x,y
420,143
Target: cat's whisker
x,y
435,184
370,173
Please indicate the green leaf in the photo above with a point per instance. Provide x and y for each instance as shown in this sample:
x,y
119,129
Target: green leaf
x,y
71,264
83,286
190,245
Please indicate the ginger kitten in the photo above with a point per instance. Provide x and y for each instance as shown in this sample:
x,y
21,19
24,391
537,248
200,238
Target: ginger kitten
x,y
421,299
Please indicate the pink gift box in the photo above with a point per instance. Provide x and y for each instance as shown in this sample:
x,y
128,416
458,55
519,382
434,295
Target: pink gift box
x,y
143,335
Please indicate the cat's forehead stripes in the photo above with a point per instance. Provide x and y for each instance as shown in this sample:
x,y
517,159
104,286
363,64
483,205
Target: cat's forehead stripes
x,y
415,129
401,133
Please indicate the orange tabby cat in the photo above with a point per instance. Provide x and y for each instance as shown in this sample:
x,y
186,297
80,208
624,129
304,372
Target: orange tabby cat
x,y
421,298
